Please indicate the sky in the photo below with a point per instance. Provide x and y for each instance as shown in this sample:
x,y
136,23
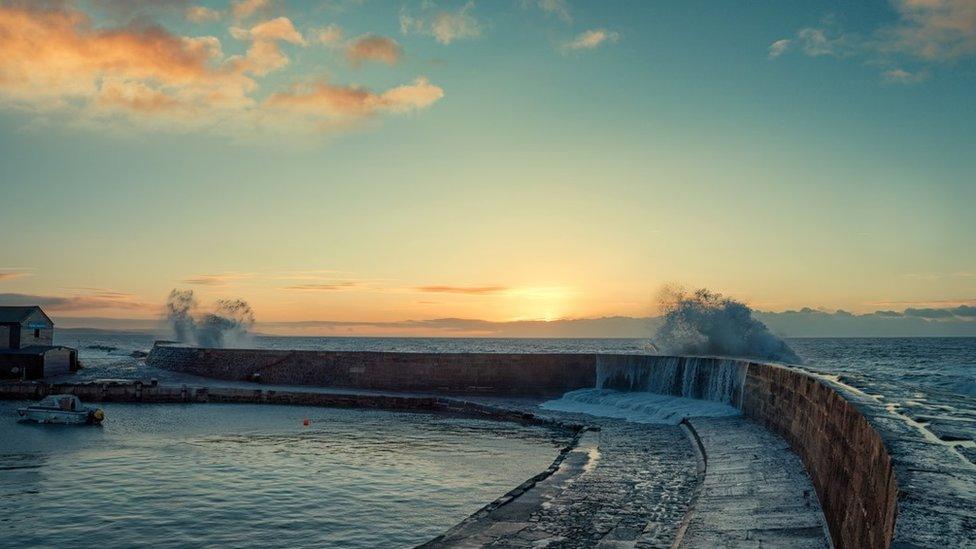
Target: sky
x,y
502,161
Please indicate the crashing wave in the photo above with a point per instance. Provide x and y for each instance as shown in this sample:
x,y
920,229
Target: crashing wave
x,y
226,326
706,323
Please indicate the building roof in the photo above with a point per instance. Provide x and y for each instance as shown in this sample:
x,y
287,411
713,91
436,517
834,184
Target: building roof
x,y
18,313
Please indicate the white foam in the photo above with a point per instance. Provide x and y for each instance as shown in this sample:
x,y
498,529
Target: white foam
x,y
639,407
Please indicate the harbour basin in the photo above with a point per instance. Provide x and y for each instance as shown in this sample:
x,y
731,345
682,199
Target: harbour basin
x,y
231,475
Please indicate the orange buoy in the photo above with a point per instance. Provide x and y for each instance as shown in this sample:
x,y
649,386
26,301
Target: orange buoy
x,y
306,422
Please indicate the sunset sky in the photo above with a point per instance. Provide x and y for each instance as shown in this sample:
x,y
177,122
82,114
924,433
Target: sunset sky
x,y
499,160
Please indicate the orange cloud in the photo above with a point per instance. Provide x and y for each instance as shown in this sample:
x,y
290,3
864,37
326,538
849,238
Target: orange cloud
x,y
371,47
326,287
337,101
57,53
98,300
135,96
216,279
264,55
280,28
10,275
468,290
330,35
242,9
55,60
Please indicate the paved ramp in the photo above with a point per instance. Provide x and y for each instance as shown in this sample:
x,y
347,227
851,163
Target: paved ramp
x,y
755,491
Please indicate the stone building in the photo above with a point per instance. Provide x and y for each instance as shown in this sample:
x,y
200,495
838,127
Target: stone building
x,y
27,349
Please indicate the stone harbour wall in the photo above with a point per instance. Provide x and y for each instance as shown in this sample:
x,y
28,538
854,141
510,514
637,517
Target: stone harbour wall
x,y
845,456
447,373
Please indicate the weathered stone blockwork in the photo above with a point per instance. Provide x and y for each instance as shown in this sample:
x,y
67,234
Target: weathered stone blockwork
x,y
844,455
451,373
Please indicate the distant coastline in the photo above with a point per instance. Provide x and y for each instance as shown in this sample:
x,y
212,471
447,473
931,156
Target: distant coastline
x,y
806,323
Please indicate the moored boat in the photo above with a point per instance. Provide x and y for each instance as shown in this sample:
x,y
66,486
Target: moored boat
x,y
66,409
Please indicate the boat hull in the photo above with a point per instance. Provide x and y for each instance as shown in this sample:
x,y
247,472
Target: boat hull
x,y
55,416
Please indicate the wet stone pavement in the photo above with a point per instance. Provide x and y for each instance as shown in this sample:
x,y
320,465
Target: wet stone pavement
x,y
626,485
756,492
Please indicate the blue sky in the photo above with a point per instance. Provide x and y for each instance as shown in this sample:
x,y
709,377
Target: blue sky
x,y
494,160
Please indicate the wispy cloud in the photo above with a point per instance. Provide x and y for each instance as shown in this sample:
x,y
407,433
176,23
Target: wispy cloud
x,y
324,99
592,39
925,303
934,30
467,290
10,274
92,301
939,276
926,32
445,26
370,47
330,35
901,76
242,9
327,286
222,279
779,47
556,8
202,14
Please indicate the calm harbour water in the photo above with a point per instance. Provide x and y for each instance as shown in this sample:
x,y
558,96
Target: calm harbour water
x,y
251,475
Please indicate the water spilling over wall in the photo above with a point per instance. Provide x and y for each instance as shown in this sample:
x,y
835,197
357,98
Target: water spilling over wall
x,y
656,389
713,379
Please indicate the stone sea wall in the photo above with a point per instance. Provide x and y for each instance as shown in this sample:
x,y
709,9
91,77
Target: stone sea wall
x,y
846,458
448,373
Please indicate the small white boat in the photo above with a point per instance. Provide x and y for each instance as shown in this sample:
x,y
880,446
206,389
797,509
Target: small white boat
x,y
65,409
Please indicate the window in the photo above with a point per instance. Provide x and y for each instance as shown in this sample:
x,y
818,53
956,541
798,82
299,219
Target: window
x,y
37,333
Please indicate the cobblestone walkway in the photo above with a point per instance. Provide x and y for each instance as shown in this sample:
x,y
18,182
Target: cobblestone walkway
x,y
628,485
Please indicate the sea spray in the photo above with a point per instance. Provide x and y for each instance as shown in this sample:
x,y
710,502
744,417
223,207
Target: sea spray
x,y
227,326
707,323
179,317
